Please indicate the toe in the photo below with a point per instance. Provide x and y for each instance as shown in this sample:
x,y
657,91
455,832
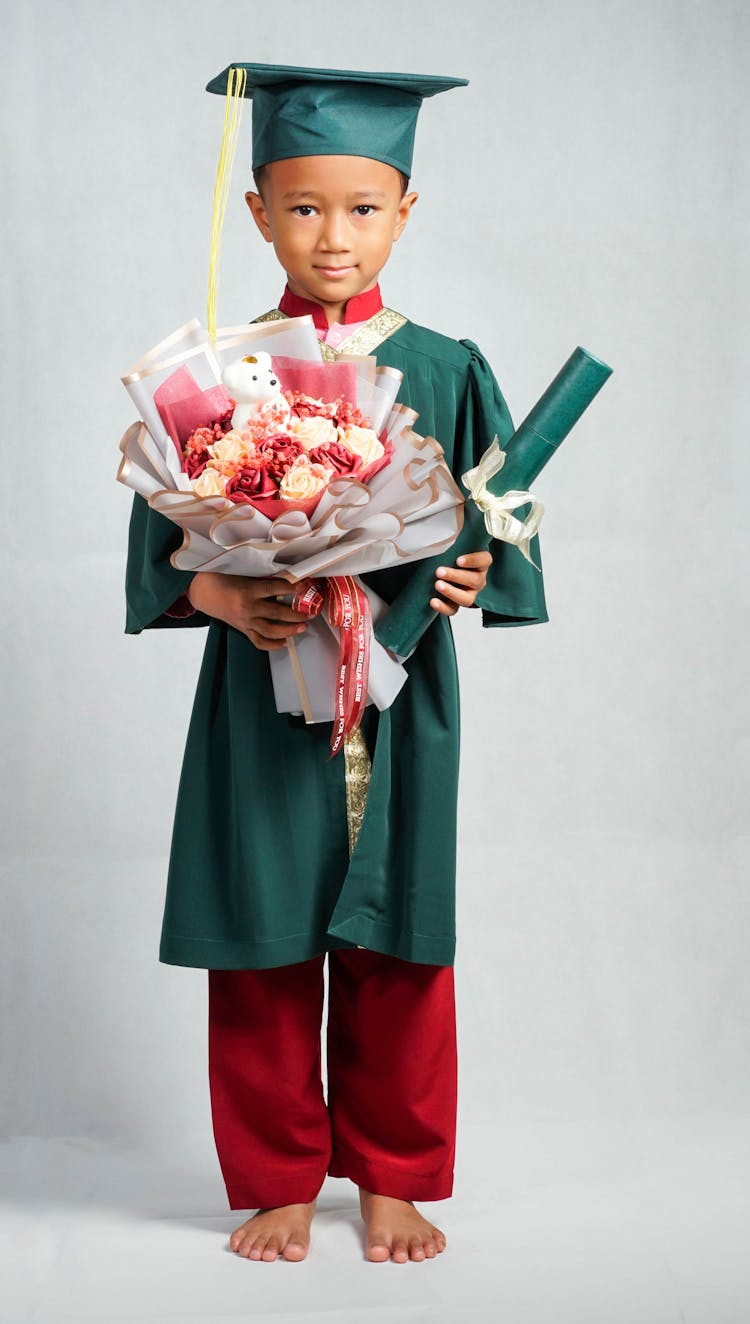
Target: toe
x,y
256,1248
271,1248
400,1250
416,1248
294,1250
378,1248
430,1249
239,1237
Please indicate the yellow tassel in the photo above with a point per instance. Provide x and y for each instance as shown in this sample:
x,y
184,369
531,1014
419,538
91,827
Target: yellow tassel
x,y
236,82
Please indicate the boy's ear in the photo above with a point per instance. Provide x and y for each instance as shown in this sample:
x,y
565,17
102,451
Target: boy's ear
x,y
404,208
260,216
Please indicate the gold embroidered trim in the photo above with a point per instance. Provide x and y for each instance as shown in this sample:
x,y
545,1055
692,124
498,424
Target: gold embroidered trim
x,y
357,768
272,316
372,333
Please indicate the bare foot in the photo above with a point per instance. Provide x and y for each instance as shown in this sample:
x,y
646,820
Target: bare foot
x,y
284,1229
395,1226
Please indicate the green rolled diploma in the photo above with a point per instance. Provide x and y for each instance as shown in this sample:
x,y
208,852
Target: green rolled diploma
x,y
534,443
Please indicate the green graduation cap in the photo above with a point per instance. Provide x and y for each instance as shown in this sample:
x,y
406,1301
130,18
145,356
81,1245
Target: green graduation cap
x,y
334,112
316,112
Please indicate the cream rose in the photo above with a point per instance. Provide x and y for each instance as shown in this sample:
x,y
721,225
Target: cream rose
x,y
303,479
210,483
234,447
311,432
362,441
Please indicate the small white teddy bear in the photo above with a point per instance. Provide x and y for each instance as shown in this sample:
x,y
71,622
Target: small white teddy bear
x,y
253,383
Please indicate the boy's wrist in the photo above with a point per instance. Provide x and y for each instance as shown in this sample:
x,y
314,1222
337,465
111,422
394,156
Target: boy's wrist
x,y
205,593
193,592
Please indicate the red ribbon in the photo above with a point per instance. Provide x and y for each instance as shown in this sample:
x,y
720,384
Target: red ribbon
x,y
347,607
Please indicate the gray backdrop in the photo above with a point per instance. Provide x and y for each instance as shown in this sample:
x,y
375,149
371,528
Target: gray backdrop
x,y
586,188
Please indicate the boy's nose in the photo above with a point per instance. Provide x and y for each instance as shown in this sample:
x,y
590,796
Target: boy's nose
x,y
333,235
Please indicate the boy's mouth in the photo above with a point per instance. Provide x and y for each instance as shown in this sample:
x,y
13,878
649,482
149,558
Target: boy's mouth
x,y
334,271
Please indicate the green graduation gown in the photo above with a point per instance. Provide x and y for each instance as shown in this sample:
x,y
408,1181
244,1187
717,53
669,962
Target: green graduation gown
x,y
260,872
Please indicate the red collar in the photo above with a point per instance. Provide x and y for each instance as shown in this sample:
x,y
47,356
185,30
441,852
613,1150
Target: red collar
x,y
358,309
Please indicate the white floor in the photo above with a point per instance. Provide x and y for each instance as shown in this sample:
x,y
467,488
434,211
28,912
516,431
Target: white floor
x,y
606,1222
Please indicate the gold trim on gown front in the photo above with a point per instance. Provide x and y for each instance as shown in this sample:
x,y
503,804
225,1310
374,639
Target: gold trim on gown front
x,y
357,768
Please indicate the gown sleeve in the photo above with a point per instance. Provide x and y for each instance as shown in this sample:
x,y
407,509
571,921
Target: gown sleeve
x,y
514,592
155,593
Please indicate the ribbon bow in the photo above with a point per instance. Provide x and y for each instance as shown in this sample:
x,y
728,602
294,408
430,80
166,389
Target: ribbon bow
x,y
347,607
499,521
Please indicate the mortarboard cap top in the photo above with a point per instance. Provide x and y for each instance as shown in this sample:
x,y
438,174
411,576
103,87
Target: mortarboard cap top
x,y
333,112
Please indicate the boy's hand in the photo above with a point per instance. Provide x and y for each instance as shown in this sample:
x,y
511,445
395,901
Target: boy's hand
x,y
249,605
468,577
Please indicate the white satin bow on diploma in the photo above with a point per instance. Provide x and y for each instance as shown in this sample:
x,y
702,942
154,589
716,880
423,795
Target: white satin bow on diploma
x,y
497,509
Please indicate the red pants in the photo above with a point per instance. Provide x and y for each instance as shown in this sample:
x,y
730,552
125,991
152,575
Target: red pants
x,y
390,1120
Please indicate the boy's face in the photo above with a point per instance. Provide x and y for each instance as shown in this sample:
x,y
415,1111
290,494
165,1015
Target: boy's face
x,y
332,221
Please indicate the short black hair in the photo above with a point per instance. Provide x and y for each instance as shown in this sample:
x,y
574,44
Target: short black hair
x,y
258,176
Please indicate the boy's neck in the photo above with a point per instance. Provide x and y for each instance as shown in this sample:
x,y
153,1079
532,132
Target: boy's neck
x,y
358,308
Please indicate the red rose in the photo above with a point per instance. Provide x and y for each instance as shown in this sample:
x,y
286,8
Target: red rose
x,y
195,453
336,456
277,453
195,463
249,483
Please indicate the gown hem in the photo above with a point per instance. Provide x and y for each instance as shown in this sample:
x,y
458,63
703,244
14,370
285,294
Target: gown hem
x,y
357,931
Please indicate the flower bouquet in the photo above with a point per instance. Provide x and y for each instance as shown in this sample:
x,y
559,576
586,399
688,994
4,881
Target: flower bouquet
x,y
274,463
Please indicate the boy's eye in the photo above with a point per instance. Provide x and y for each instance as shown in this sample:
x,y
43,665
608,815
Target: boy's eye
x,y
363,208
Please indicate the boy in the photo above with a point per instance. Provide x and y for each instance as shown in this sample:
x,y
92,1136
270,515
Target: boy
x,y
266,874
